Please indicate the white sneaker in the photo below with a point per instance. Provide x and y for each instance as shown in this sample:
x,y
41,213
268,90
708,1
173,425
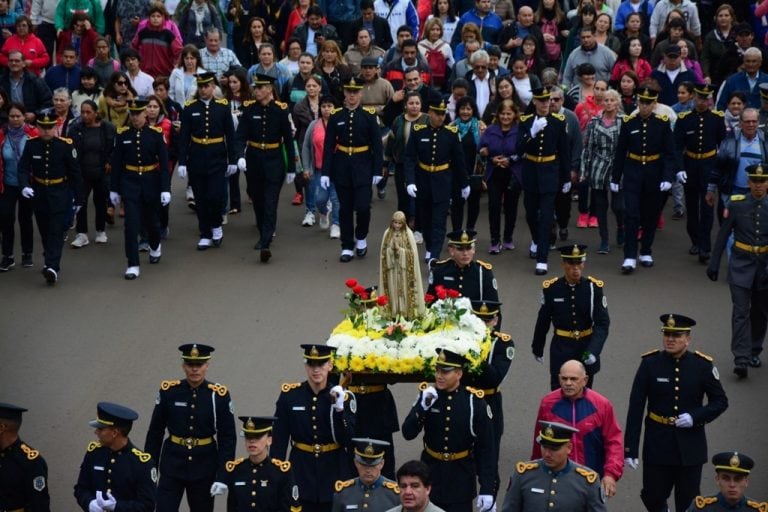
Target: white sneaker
x,y
101,237
646,260
325,220
361,244
217,233
629,265
131,273
309,219
418,237
189,195
335,231
156,253
81,240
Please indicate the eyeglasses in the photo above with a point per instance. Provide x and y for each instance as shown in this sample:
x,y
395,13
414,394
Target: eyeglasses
x,y
121,82
479,67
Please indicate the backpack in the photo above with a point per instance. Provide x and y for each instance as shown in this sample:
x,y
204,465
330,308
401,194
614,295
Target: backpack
x,y
438,65
552,49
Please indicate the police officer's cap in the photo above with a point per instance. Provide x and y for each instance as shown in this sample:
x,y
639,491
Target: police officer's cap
x,y
462,237
540,93
353,84
317,354
11,412
757,171
109,414
573,252
257,426
46,118
137,106
260,79
485,309
672,322
447,360
205,78
733,462
705,90
195,353
554,434
369,62
437,104
369,452
647,94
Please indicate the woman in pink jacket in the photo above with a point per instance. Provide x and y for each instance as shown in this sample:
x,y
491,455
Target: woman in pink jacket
x,y
36,57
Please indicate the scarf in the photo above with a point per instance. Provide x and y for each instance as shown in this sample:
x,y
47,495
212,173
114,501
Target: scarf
x,y
15,137
200,10
465,127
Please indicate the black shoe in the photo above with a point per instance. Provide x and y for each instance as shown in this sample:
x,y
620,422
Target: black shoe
x,y
741,371
755,362
26,261
626,269
50,275
694,250
678,215
361,252
264,255
191,204
382,193
703,257
154,259
345,258
532,254
563,233
7,263
540,272
217,241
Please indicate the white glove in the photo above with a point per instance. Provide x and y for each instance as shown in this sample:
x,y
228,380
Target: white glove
x,y
231,169
615,188
114,198
664,186
539,359
428,397
289,177
633,463
107,504
165,198
325,182
682,176
93,506
241,164
218,489
566,187
377,180
465,193
484,502
590,360
338,392
27,192
514,158
182,171
538,125
684,421
411,190
76,209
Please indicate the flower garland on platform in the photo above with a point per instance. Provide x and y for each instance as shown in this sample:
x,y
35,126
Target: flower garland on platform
x,y
368,340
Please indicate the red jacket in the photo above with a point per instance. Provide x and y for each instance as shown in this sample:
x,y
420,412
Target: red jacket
x,y
87,45
31,47
31,131
159,50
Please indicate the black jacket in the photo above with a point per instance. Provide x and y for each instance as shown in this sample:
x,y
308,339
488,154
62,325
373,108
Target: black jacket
x,y
728,161
383,37
35,92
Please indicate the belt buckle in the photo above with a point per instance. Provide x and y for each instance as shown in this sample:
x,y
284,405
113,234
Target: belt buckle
x,y
575,334
446,456
671,420
756,249
432,168
362,390
191,442
317,449
205,140
263,146
349,150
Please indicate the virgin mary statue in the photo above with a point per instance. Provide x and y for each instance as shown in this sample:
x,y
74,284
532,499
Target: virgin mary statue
x,y
399,272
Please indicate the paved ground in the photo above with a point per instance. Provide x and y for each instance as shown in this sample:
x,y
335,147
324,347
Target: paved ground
x,y
97,337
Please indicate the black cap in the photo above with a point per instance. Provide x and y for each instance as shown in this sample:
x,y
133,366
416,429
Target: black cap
x,y
317,353
449,360
676,23
743,28
11,412
485,309
369,452
195,352
205,77
706,90
672,51
573,252
256,426
109,414
262,79
757,171
540,93
462,237
46,118
369,61
137,106
555,434
647,94
437,104
672,322
733,462
353,84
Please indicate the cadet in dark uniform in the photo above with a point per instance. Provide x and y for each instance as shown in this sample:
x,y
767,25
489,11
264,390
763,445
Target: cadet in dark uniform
x,y
645,160
369,490
259,482
673,383
23,472
697,136
458,437
493,371
115,475
49,174
554,482
747,271
140,180
377,415
262,134
352,158
578,311
434,168
207,146
201,433
732,477
543,148
318,422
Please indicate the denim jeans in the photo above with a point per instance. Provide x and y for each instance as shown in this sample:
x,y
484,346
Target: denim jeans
x,y
311,191
321,197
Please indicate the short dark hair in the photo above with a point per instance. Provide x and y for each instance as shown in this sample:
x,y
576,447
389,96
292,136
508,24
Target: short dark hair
x,y
161,80
585,68
409,42
129,53
587,28
314,10
460,83
366,4
403,28
415,468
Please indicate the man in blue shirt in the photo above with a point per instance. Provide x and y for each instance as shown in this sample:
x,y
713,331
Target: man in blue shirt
x,y
489,22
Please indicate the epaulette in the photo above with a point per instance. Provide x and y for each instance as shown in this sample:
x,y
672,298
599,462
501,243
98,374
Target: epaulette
x,y
549,282
417,127
190,101
738,197
31,453
220,389
370,110
502,336
65,139
525,117
452,128
423,386
284,465
661,117
597,282
702,502
392,486
561,117
343,484
682,115
122,129
283,106
93,445
479,393
704,356
232,464
222,101
441,262
168,384
248,103
486,266
588,474
628,118
289,387
762,506
650,353
143,456
31,137
337,110
719,113
156,128
522,467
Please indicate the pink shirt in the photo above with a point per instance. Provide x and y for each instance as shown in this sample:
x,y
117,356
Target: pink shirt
x,y
318,140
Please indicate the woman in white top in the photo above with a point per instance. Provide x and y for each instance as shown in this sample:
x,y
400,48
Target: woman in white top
x,y
292,54
443,10
524,81
183,81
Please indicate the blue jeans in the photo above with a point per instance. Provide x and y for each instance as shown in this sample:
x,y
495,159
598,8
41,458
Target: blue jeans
x,y
310,191
321,197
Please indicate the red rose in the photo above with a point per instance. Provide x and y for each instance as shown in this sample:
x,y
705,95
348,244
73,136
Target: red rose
x,y
358,289
351,283
383,300
429,298
363,295
441,293
453,294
